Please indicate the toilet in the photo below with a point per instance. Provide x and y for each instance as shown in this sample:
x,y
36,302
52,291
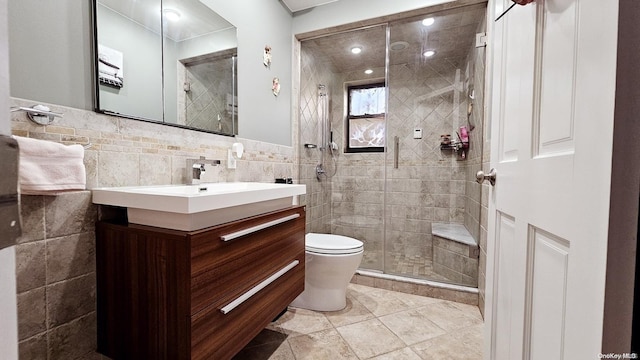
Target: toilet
x,y
330,262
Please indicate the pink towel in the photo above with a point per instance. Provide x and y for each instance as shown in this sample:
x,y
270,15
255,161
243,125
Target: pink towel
x,y
48,168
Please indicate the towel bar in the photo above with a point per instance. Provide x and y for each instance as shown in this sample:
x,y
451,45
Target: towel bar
x,y
39,114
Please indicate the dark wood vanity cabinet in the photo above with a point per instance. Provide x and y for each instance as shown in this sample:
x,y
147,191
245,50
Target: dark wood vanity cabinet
x,y
168,294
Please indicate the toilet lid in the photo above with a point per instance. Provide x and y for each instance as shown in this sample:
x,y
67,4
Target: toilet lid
x,y
332,244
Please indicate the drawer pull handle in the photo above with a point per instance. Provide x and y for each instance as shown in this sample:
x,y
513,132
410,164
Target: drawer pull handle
x,y
254,290
253,229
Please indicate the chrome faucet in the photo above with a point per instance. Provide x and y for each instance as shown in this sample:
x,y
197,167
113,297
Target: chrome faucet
x,y
195,168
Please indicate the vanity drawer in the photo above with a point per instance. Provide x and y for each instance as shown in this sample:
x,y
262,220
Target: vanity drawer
x,y
216,335
222,270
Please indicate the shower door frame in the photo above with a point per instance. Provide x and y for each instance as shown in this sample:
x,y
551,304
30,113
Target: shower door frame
x,y
387,181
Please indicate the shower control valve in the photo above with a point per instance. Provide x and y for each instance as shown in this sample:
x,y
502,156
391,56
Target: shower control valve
x,y
319,171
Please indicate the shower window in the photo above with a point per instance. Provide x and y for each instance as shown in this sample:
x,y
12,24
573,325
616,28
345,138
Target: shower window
x,y
366,118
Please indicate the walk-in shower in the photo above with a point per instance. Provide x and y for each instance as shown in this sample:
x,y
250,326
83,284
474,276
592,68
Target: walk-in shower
x,y
396,196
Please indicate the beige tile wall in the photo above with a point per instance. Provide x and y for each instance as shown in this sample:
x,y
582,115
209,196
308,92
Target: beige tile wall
x,y
56,254
314,72
477,200
475,73
55,260
455,261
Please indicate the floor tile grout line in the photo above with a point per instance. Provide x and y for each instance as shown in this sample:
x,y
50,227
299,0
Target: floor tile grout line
x,y
377,317
411,308
291,349
341,337
353,351
398,336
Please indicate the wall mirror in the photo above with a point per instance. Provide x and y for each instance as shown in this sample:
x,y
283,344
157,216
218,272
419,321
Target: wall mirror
x,y
169,61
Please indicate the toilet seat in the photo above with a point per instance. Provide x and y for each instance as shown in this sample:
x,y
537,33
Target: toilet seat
x,y
332,244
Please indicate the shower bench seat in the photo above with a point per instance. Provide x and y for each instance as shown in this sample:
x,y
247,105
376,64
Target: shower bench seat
x,y
455,253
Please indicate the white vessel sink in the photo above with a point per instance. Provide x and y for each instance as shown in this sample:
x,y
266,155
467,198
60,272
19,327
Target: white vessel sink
x,y
194,207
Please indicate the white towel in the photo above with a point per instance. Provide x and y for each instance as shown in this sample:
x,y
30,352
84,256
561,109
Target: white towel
x,y
49,168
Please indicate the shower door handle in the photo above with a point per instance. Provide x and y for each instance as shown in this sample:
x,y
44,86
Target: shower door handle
x,y
396,148
491,177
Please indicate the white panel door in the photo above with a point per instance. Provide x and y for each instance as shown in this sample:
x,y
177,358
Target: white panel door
x,y
552,89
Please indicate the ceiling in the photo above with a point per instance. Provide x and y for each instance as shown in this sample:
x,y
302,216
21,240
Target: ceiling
x,y
452,35
297,5
196,18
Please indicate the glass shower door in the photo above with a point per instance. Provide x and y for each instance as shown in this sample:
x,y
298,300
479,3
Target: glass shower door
x,y
430,71
358,186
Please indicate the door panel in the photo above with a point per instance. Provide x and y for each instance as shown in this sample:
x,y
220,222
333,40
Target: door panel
x,y
553,94
517,84
555,85
505,227
549,259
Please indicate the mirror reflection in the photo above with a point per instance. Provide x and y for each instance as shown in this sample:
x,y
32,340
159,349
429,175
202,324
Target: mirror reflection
x,y
186,77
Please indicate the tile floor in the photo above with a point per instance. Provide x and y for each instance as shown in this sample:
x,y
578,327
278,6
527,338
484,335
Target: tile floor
x,y
376,324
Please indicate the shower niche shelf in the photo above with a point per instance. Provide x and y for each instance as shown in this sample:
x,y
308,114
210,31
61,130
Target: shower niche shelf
x,y
455,253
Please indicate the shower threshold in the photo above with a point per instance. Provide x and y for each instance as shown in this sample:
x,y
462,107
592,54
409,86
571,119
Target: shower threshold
x,y
458,293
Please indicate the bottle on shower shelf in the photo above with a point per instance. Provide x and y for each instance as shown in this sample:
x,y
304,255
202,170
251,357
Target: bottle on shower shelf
x,y
464,136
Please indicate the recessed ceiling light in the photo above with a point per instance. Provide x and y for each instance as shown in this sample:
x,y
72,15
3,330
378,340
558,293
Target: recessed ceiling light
x,y
428,21
398,45
171,14
368,71
356,50
429,53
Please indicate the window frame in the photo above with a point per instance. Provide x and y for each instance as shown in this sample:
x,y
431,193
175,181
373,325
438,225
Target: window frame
x,y
349,117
